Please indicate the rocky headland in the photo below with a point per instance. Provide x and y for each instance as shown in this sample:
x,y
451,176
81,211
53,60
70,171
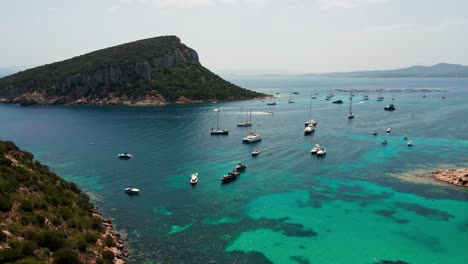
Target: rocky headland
x,y
155,71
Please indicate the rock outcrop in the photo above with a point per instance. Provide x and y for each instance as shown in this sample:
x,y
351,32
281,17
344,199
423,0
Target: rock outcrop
x,y
458,177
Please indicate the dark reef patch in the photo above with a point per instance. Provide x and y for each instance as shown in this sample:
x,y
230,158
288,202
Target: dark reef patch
x,y
300,259
424,211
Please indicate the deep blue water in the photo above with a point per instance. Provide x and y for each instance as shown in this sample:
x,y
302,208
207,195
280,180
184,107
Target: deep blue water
x,y
289,206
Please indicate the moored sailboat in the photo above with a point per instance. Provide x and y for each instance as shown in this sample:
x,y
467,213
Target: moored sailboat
x,y
244,123
218,131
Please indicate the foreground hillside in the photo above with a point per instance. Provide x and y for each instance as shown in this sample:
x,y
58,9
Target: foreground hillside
x,y
152,71
44,219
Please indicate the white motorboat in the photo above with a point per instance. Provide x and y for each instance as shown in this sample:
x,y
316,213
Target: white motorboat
x,y
374,132
125,156
194,178
252,137
389,130
410,143
315,149
321,152
405,137
271,103
309,129
255,152
131,190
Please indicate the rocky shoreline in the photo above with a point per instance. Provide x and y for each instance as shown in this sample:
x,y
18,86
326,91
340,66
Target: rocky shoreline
x,y
457,177
120,252
152,99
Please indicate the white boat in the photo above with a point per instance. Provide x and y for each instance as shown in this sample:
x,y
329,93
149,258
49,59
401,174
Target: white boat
x,y
125,156
321,152
255,152
384,142
410,143
272,101
217,109
315,149
252,137
131,190
405,137
194,178
389,130
309,129
218,131
245,123
291,100
374,132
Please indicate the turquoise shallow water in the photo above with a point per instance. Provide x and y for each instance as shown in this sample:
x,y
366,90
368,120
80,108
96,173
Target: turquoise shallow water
x,y
289,206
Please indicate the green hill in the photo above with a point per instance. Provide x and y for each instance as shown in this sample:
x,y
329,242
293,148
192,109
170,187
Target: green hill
x,y
44,219
153,71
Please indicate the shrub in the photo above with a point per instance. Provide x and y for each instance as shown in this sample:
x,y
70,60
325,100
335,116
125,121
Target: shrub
x,y
3,236
66,256
5,204
109,241
81,244
51,239
28,247
108,255
91,237
26,205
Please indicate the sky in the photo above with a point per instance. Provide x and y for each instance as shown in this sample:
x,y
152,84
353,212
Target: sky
x,y
245,36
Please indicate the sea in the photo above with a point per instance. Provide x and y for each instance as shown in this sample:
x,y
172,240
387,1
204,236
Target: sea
x,y
361,203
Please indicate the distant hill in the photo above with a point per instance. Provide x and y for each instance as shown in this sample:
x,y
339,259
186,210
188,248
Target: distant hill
x,y
45,219
438,70
153,71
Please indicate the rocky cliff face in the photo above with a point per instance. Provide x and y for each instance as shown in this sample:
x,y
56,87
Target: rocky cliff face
x,y
153,71
75,89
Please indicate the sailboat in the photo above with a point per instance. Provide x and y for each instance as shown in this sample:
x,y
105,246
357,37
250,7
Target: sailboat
x,y
310,121
314,95
244,123
252,136
218,131
350,114
290,100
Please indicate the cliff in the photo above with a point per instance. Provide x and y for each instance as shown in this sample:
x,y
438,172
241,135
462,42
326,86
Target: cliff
x,y
152,71
45,219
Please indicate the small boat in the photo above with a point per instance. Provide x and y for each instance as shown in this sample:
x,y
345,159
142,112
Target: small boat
x,y
252,137
125,156
194,178
290,100
389,107
327,98
365,97
313,97
277,93
309,129
255,152
389,130
321,152
217,109
374,132
405,137
339,101
384,142
315,149
131,190
443,97
271,103
241,166
410,143
230,176
295,93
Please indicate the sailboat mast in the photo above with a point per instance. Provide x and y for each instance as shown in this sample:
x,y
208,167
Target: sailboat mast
x,y
350,101
217,120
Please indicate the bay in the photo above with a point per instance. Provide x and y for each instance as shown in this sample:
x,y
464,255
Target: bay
x,y
288,206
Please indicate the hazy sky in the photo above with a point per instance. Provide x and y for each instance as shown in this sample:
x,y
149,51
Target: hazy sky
x,y
245,36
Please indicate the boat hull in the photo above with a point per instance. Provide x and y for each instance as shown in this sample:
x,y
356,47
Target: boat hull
x,y
219,132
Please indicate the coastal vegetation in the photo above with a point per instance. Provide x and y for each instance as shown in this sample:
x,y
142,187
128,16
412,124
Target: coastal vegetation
x,y
158,70
45,219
